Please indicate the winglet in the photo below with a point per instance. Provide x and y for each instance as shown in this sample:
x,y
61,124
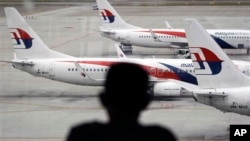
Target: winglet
x,y
119,52
155,37
168,25
84,73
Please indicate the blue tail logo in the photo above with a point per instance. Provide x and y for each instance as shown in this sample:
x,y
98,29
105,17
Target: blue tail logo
x,y
22,39
205,61
107,16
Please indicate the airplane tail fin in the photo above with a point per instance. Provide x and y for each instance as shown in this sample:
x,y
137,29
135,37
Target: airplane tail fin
x,y
27,44
213,68
110,18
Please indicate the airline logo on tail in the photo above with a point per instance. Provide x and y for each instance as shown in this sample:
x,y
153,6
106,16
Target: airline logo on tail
x,y
22,39
205,61
107,16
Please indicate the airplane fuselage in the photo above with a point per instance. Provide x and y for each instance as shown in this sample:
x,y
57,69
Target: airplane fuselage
x,y
65,70
227,39
94,69
235,100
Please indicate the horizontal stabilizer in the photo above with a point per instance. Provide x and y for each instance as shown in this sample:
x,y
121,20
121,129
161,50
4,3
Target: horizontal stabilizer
x,y
211,94
22,62
107,31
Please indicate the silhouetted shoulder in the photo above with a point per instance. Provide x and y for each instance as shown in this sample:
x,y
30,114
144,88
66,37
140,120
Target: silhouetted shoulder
x,y
123,108
159,133
85,131
98,131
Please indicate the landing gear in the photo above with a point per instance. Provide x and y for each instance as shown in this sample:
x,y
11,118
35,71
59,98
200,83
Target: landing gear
x,y
150,90
183,53
126,48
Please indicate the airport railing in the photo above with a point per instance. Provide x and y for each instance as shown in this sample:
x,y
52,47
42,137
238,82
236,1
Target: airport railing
x,y
145,2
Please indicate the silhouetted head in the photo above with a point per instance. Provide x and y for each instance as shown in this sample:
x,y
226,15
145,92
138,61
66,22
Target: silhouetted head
x,y
126,88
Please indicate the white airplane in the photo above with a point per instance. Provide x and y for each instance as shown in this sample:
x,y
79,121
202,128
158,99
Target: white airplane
x,y
221,84
115,28
33,56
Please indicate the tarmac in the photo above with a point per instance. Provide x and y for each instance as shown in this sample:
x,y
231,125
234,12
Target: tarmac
x,y
37,109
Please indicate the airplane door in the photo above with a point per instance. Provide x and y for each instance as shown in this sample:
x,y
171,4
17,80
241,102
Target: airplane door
x,y
52,69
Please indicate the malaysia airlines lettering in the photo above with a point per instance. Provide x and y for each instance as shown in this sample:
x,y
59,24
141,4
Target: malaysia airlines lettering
x,y
187,65
231,34
235,105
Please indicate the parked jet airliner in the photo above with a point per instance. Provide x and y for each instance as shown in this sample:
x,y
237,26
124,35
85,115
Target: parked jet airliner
x,y
33,56
221,84
115,28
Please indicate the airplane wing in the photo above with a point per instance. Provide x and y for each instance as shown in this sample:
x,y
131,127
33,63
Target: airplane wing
x,y
84,73
155,37
171,44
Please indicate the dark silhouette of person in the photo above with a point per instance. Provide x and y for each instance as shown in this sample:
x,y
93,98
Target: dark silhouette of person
x,y
124,97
